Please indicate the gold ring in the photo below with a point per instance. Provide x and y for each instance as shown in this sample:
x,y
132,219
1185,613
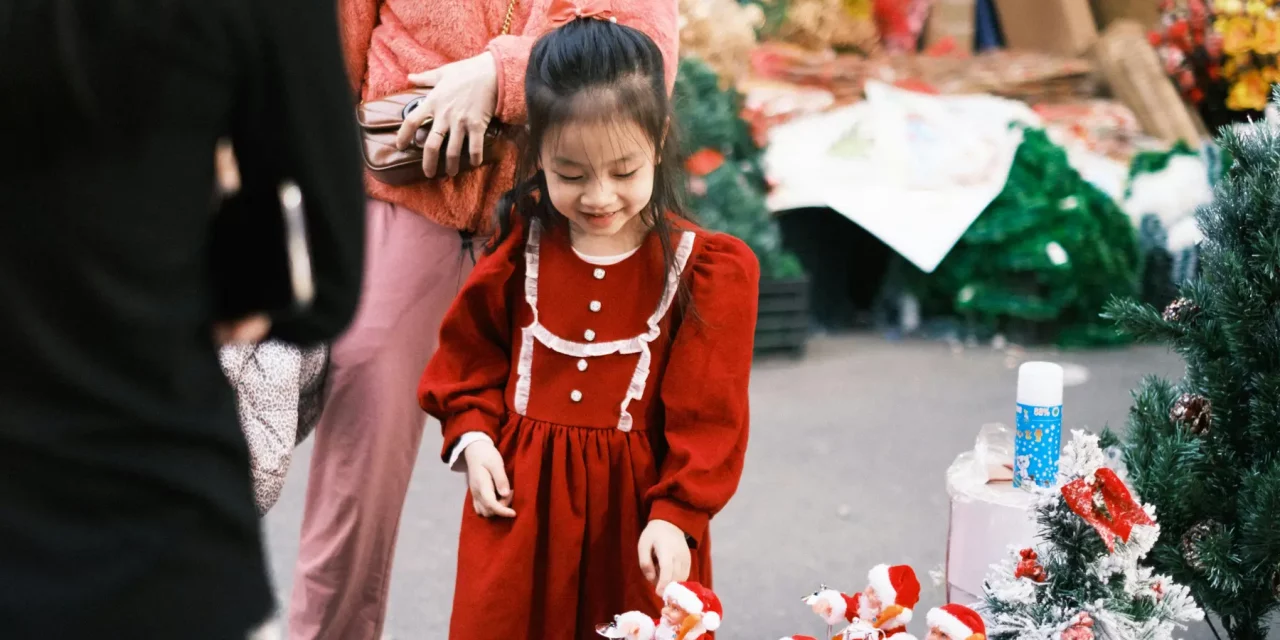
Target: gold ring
x,y
439,133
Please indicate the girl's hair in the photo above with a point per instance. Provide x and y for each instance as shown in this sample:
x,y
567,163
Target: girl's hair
x,y
597,70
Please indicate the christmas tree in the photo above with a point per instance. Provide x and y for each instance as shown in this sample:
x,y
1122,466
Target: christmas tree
x,y
727,184
1207,451
1084,580
1043,258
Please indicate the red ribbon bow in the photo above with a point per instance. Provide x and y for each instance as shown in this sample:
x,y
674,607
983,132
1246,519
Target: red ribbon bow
x,y
565,11
1107,505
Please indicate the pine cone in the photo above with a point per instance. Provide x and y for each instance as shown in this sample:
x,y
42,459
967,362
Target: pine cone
x,y
1194,412
1180,310
1191,544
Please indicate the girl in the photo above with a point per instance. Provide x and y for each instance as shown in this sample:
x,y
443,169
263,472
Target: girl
x,y
592,374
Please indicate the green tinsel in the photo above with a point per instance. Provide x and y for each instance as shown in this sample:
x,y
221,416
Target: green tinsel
x,y
734,199
1007,272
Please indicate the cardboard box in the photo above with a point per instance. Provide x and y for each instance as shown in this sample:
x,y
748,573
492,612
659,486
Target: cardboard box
x,y
955,19
1063,27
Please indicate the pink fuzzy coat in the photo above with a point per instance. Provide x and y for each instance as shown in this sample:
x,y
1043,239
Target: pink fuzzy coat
x,y
385,40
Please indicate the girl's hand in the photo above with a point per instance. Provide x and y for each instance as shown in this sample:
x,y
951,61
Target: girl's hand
x,y
464,95
664,543
487,477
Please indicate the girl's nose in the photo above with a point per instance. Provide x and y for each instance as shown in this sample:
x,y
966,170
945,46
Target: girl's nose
x,y
598,195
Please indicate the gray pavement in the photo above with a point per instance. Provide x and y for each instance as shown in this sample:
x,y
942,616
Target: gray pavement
x,y
845,469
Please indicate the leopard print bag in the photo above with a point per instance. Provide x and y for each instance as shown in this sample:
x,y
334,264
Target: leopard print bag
x,y
280,393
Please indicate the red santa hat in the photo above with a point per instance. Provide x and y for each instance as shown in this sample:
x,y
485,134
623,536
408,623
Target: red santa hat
x,y
696,599
841,604
958,622
895,585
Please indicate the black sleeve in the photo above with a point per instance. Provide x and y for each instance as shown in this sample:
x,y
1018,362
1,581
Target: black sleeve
x,y
294,120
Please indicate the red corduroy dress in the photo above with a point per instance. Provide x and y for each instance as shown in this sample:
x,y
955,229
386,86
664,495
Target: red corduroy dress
x,y
611,406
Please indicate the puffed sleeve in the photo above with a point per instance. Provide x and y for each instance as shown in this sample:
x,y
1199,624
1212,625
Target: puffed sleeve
x,y
705,389
464,384
658,19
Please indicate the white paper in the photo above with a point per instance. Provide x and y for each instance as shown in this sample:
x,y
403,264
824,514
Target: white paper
x,y
913,169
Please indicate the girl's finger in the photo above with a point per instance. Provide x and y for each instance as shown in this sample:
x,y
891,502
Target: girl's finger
x,y
665,571
498,471
646,560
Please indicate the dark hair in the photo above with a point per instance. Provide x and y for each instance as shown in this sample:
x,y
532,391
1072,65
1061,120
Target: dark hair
x,y
596,68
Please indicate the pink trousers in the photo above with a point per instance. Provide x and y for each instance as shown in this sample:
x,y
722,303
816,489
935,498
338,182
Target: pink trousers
x,y
367,439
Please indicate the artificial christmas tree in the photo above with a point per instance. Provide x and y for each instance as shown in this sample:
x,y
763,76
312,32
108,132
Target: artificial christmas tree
x,y
1207,452
1043,258
1084,580
727,187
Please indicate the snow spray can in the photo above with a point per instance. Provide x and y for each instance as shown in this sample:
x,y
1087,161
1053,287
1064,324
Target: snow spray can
x,y
1038,440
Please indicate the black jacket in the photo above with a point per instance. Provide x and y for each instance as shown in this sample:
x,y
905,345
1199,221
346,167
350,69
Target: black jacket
x,y
126,508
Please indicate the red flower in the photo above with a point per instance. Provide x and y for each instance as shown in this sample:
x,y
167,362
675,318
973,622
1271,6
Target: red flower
x,y
1155,38
1196,96
1178,30
703,162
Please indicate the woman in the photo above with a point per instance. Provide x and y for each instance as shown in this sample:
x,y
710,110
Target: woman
x,y
420,250
126,508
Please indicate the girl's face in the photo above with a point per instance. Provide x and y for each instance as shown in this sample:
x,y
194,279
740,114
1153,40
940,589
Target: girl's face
x,y
599,176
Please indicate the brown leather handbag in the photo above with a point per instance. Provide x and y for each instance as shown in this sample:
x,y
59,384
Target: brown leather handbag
x,y
381,119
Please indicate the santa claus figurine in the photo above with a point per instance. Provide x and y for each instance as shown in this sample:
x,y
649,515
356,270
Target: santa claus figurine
x,y
689,611
632,625
955,622
886,604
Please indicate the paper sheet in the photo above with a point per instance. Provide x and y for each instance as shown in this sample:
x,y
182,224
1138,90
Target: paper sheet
x,y
913,169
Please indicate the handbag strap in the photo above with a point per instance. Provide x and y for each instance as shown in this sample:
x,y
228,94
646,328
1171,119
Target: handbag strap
x,y
506,22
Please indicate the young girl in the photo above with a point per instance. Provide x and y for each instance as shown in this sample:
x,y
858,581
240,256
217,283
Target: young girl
x,y
592,374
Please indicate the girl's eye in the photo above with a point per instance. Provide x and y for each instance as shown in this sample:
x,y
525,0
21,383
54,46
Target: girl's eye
x,y
627,174
568,178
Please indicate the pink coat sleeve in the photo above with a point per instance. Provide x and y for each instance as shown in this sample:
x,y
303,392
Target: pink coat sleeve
x,y
356,20
656,18
704,389
464,383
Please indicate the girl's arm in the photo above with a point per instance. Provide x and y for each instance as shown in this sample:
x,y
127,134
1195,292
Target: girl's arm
x,y
356,20
464,384
656,18
705,389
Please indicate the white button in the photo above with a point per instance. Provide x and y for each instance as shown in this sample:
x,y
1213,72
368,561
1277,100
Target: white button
x,y
599,274
576,396
582,365
589,335
595,305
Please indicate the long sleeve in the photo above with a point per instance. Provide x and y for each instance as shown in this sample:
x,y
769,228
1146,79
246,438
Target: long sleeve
x,y
293,121
464,384
658,19
705,390
356,20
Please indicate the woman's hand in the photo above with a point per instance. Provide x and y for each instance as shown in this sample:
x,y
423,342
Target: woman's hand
x,y
664,543
248,330
487,478
464,95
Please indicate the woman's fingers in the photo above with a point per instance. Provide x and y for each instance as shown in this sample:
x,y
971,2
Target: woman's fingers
x,y
475,141
646,558
431,148
499,483
415,120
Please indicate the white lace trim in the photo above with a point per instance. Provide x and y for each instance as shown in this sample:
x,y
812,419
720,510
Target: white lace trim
x,y
638,344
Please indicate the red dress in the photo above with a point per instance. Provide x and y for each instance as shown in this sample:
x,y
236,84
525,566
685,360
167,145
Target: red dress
x,y
609,405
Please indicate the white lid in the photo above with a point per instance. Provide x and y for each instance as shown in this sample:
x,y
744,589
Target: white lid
x,y
1040,384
